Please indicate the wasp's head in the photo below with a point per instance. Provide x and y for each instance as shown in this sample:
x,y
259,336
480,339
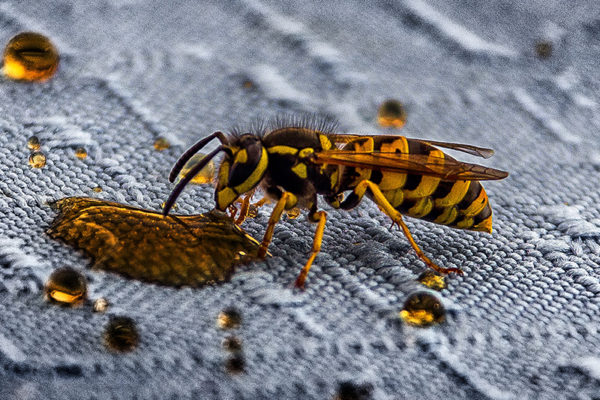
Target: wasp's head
x,y
242,169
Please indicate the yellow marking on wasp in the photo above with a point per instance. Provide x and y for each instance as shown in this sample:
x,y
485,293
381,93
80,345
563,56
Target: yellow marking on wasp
x,y
448,216
304,153
465,223
428,184
283,150
484,226
225,197
477,205
241,157
421,208
395,197
458,191
394,180
325,142
366,145
256,175
223,175
300,170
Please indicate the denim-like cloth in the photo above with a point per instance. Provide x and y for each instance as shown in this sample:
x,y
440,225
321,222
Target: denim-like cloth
x,y
521,323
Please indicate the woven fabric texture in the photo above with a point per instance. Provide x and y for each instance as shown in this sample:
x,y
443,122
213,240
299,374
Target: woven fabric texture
x,y
523,322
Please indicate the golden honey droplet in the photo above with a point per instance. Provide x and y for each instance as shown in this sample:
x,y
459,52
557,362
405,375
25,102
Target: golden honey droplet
x,y
391,114
293,213
232,343
30,56
351,391
121,334
33,143
205,175
543,49
432,280
236,364
37,159
230,318
161,144
100,305
422,309
80,153
66,286
97,189
248,84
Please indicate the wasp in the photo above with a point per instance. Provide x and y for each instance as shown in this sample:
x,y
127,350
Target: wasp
x,y
293,163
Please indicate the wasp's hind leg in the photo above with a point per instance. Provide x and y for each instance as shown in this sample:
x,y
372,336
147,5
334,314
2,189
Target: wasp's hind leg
x,y
389,210
286,201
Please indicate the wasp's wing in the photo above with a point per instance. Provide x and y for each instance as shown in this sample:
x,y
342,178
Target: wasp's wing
x,y
465,148
418,164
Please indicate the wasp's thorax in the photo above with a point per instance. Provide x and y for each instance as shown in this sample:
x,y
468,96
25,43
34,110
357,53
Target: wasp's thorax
x,y
240,171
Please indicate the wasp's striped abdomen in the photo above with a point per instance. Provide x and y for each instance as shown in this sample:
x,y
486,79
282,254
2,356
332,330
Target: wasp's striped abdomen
x,y
457,204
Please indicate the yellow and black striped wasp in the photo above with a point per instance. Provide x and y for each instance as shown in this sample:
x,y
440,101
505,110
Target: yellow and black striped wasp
x,y
295,161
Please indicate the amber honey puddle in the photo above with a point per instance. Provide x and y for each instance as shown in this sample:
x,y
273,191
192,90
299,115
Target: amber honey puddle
x,y
190,250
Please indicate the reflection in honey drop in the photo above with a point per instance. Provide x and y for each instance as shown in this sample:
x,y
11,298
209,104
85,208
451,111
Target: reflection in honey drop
x,y
101,305
177,250
30,56
80,153
121,334
97,189
229,318
543,49
293,213
351,391
432,280
232,343
391,114
205,175
236,364
33,143
161,144
66,286
422,309
37,159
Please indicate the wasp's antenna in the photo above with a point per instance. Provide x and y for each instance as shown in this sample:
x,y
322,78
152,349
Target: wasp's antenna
x,y
185,157
190,175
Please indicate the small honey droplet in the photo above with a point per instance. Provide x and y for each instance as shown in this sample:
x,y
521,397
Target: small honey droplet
x,y
30,56
248,84
121,334
97,189
230,318
351,391
391,114
236,364
66,286
80,153
37,159
101,305
543,49
161,144
33,143
232,343
432,280
205,175
293,213
422,309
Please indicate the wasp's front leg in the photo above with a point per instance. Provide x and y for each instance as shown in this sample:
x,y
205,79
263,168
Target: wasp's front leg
x,y
285,202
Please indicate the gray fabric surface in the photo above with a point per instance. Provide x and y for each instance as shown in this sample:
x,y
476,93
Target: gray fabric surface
x,y
523,320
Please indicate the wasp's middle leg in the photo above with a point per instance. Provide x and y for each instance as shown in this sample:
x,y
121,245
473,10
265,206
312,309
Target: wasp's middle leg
x,y
321,218
286,201
389,210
